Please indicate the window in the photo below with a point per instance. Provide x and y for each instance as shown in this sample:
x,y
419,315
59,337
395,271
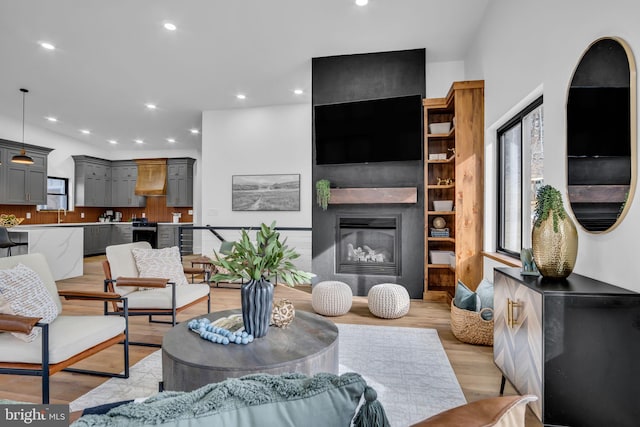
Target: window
x,y
57,194
520,175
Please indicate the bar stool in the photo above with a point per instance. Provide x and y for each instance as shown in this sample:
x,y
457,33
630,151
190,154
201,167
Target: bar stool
x,y
6,242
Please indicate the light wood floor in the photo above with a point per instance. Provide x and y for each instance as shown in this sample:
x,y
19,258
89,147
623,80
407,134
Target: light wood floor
x,y
473,365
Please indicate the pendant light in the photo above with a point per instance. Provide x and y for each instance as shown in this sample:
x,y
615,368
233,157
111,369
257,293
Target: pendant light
x,y
22,158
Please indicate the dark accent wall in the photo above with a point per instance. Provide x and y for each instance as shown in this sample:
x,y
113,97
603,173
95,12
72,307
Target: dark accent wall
x,y
359,77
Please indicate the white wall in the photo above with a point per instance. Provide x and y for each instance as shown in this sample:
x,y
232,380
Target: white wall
x,y
256,141
525,45
440,75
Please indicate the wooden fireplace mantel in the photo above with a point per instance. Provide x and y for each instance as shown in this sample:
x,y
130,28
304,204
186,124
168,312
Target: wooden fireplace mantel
x,y
373,195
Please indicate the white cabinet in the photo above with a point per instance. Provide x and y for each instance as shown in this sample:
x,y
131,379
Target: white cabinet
x,y
517,344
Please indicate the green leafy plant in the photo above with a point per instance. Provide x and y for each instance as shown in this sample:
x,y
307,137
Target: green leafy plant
x,y
549,201
323,193
267,258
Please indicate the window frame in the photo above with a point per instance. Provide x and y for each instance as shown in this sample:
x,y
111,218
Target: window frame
x,y
517,119
65,193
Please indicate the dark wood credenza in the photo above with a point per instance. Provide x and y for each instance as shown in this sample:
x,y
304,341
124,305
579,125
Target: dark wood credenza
x,y
574,343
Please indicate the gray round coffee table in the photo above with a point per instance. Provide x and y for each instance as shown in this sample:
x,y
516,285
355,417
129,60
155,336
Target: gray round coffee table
x,y
309,346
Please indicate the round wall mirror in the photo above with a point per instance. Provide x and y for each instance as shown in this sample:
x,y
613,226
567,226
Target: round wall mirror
x,y
601,135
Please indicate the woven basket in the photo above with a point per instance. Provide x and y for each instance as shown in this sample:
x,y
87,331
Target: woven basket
x,y
469,326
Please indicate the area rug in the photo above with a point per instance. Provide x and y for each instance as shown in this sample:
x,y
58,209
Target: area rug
x,y
406,366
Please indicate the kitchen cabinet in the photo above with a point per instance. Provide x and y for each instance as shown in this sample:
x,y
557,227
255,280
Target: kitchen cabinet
x,y
180,182
92,181
574,343
169,235
96,238
123,184
121,233
23,184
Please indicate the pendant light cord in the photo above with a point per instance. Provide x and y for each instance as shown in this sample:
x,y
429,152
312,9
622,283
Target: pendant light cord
x,y
24,94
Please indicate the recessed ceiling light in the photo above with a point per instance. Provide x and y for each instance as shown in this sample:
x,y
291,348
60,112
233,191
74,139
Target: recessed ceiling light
x,y
47,46
151,106
241,96
169,26
194,131
138,141
112,141
298,92
171,140
362,2
85,131
51,119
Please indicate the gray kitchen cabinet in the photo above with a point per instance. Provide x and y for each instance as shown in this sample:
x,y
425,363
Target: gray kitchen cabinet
x,y
92,181
180,182
96,238
23,184
121,233
169,235
123,185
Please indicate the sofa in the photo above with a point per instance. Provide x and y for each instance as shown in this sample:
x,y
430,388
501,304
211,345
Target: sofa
x,y
254,400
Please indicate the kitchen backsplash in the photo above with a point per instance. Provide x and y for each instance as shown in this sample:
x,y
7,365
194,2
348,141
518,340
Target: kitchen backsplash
x,y
156,211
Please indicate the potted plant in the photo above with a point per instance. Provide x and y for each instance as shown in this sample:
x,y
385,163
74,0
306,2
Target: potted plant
x,y
256,264
323,193
554,236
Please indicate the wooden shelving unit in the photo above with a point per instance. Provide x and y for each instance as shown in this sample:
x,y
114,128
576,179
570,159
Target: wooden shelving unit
x,y
465,102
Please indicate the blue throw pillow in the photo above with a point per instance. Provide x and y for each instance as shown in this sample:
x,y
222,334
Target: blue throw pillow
x,y
485,292
465,298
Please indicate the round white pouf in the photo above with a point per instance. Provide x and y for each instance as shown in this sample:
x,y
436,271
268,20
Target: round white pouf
x,y
331,298
388,300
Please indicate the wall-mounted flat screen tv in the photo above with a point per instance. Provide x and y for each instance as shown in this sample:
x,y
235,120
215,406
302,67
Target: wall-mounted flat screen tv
x,y
378,130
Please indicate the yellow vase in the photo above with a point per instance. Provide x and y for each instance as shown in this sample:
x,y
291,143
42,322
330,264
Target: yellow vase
x,y
554,252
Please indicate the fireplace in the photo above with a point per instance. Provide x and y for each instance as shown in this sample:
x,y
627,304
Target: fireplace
x,y
368,245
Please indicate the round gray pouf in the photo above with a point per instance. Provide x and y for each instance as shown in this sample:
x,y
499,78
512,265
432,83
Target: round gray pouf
x,y
331,298
388,300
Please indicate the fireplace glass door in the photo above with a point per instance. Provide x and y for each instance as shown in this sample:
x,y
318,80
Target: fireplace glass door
x,y
368,245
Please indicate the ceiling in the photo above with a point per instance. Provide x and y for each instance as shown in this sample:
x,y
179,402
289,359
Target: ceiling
x,y
113,57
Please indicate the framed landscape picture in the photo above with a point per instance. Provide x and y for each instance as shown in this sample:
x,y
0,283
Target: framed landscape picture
x,y
265,192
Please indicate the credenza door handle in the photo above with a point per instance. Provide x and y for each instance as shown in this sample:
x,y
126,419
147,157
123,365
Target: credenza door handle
x,y
511,319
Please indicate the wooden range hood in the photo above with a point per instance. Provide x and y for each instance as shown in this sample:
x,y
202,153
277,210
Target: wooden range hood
x,y
152,177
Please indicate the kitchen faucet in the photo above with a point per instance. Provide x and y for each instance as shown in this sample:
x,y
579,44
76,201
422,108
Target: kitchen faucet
x,y
65,214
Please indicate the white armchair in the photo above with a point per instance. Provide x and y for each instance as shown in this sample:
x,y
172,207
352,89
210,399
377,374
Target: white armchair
x,y
147,296
63,341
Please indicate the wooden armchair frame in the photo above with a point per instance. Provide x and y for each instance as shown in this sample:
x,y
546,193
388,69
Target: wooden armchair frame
x,y
45,369
147,282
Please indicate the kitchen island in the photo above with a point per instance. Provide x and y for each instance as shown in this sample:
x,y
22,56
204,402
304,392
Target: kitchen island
x,y
62,246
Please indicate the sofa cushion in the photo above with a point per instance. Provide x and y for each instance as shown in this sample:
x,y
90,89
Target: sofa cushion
x,y
122,263
283,400
38,263
26,295
67,337
163,263
160,298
